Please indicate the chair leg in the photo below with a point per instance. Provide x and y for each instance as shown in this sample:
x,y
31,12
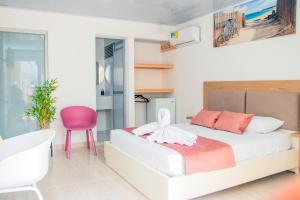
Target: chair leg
x,y
66,143
38,192
69,145
87,139
93,142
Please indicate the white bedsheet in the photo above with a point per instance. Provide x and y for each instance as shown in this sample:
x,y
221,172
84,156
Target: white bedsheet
x,y
170,162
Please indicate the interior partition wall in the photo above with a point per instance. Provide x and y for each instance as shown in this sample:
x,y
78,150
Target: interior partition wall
x,y
22,66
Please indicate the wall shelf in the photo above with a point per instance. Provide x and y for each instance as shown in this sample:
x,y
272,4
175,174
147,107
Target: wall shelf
x,y
153,66
154,90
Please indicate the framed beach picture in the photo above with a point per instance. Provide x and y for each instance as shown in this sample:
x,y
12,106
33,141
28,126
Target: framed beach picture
x,y
254,20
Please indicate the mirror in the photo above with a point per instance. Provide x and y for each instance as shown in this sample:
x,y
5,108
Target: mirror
x,y
108,73
100,74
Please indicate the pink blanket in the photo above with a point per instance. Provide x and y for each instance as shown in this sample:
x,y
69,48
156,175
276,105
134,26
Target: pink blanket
x,y
206,155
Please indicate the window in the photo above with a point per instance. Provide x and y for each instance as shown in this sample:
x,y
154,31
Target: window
x,y
22,66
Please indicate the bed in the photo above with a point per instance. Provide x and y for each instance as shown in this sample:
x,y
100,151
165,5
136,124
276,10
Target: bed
x,y
160,174
170,162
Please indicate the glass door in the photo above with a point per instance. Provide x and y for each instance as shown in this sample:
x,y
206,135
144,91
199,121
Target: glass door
x,y
22,66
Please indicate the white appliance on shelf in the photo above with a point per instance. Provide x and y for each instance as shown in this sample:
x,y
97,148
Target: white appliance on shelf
x,y
185,36
157,103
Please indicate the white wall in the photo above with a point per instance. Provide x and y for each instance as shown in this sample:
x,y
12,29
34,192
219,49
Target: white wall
x,y
146,52
71,53
276,58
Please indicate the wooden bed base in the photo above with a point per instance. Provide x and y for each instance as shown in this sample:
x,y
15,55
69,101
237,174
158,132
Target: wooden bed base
x,y
158,186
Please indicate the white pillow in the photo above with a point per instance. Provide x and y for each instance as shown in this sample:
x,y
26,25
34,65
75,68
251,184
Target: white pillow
x,y
260,124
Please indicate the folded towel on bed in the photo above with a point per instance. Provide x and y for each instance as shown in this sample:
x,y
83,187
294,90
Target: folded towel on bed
x,y
173,135
162,132
145,129
164,119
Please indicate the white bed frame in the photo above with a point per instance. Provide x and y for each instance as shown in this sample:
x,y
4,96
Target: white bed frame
x,y
157,186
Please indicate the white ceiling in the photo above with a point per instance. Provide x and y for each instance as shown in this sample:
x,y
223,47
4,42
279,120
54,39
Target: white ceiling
x,y
169,12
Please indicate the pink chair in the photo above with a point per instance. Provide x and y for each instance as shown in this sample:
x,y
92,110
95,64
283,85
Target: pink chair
x,y
79,118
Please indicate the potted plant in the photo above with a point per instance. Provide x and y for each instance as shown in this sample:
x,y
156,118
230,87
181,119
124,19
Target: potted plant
x,y
43,104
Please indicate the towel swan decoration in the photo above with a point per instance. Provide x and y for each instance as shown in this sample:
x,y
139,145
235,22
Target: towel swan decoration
x,y
162,132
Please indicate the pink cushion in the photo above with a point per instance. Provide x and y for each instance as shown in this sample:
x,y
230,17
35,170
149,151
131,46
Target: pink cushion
x,y
233,122
206,118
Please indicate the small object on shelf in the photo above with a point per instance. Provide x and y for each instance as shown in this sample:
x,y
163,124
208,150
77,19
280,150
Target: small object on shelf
x,y
152,66
154,90
102,92
166,46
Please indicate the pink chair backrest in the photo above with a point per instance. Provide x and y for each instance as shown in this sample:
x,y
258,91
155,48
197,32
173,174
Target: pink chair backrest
x,y
78,117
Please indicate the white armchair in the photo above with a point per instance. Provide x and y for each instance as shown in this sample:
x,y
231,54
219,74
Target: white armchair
x,y
24,161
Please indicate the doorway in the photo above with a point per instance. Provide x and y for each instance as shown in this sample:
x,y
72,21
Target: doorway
x,y
110,71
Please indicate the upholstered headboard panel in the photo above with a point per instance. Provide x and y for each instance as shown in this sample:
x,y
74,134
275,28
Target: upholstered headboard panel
x,y
281,105
232,100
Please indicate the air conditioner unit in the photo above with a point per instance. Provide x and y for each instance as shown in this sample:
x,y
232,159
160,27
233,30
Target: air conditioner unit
x,y
185,36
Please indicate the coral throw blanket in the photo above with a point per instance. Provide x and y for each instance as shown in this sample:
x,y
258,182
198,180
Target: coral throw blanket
x,y
206,155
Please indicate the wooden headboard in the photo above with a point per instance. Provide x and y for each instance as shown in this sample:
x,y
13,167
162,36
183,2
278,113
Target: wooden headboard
x,y
278,85
279,99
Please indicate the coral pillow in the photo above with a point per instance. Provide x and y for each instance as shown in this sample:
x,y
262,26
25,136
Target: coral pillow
x,y
233,122
206,118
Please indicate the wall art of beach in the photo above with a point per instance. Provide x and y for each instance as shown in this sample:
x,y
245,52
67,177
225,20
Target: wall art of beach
x,y
254,20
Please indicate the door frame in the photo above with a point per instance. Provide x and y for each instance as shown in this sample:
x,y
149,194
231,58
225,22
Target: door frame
x,y
128,68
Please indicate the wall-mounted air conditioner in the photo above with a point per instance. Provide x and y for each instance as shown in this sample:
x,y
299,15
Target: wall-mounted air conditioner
x,y
185,36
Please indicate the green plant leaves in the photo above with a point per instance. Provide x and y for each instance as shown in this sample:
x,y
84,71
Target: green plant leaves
x,y
43,103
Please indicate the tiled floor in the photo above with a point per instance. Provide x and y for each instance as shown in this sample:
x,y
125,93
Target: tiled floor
x,y
86,177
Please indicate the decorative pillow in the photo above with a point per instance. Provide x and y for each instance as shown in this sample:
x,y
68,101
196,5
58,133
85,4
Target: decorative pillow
x,y
206,118
233,122
1,140
260,124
